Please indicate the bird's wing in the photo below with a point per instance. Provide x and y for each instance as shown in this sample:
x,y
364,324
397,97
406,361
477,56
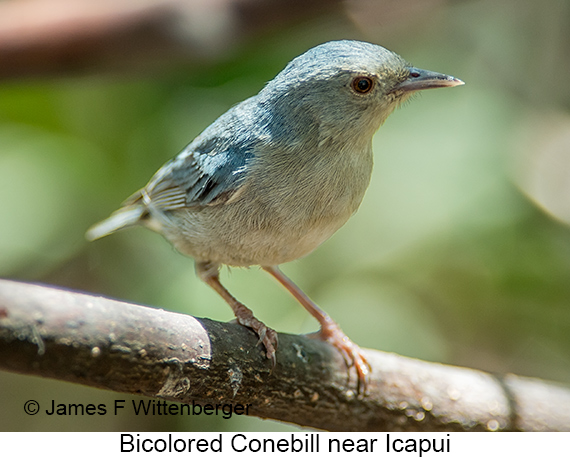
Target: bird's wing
x,y
207,172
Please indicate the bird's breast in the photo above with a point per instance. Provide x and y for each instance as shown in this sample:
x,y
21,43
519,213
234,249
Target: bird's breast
x,y
298,209
282,212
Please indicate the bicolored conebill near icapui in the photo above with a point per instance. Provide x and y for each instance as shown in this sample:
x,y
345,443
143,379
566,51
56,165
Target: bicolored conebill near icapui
x,y
279,173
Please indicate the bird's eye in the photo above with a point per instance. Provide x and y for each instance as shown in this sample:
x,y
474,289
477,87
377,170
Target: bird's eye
x,y
362,84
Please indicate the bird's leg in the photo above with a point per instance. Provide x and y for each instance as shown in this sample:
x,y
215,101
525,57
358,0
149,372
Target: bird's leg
x,y
330,330
209,273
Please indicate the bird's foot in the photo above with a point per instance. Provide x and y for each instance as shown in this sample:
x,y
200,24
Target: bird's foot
x,y
267,336
351,352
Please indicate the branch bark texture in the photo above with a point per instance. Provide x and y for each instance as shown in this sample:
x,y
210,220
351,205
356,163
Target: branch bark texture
x,y
129,348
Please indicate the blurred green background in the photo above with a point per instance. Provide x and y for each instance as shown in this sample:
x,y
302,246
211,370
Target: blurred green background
x,y
460,252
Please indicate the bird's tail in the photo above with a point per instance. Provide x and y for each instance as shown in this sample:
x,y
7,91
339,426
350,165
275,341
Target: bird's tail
x,y
120,219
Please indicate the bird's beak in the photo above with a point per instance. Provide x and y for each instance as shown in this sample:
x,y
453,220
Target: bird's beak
x,y
424,79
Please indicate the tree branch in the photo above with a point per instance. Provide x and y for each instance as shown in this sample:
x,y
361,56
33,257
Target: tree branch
x,y
128,348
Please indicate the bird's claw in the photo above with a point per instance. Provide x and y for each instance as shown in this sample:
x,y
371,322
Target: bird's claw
x,y
267,336
351,353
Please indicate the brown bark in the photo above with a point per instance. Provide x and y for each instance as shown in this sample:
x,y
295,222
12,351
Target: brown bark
x,y
129,348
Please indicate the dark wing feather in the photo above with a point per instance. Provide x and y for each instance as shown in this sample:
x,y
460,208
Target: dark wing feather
x,y
206,173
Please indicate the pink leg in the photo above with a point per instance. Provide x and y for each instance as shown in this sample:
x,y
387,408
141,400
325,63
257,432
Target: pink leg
x,y
208,273
330,331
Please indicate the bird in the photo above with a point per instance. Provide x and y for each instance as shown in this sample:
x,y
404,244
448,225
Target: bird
x,y
278,174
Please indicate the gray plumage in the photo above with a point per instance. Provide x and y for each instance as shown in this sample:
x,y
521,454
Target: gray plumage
x,y
279,173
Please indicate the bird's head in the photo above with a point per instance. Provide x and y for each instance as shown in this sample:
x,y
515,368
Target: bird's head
x,y
348,85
